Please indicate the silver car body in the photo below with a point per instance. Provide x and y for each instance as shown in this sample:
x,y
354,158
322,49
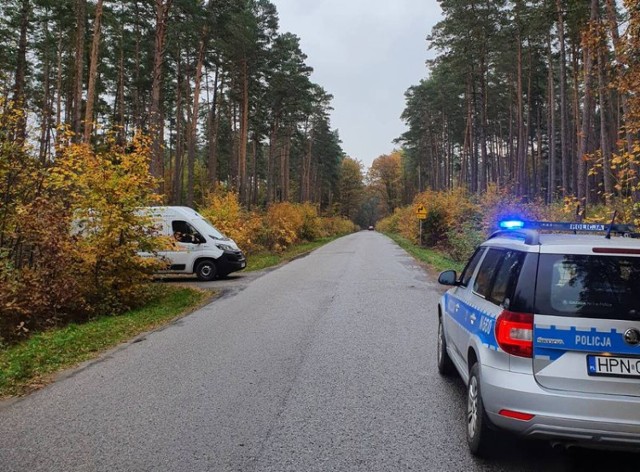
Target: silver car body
x,y
564,386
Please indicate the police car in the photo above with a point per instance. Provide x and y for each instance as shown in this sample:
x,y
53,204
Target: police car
x,y
544,330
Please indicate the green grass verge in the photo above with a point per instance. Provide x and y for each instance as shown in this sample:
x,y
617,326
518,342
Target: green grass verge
x,y
27,365
437,259
263,260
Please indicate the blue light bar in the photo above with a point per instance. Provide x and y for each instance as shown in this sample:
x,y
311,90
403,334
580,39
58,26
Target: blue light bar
x,y
511,224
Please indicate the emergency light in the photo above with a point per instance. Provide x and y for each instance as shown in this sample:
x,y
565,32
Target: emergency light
x,y
515,225
511,224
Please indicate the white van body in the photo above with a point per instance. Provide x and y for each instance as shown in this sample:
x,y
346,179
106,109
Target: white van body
x,y
198,247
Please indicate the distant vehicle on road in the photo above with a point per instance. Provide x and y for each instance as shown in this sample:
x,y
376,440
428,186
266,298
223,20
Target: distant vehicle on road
x,y
544,330
198,247
371,228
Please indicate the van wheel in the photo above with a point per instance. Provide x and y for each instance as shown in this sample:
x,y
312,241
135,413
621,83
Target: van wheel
x,y
445,365
206,270
480,437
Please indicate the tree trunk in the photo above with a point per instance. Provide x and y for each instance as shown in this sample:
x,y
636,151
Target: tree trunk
x,y
59,81
577,126
468,174
176,191
522,143
214,121
93,71
244,133
256,154
137,106
21,71
583,191
81,18
605,144
193,122
483,126
119,121
156,114
529,135
271,160
305,181
551,127
564,154
45,122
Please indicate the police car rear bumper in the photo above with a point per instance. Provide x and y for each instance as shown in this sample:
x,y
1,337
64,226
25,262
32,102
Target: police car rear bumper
x,y
569,417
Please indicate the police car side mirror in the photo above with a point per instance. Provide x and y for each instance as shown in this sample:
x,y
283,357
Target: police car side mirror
x,y
448,277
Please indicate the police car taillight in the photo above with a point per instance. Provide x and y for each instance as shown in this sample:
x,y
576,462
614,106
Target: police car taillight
x,y
514,333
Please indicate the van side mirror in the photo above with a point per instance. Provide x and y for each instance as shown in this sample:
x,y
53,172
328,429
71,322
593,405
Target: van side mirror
x,y
448,277
199,239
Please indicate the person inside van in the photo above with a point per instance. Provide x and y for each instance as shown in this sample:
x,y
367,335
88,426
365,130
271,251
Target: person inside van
x,y
184,233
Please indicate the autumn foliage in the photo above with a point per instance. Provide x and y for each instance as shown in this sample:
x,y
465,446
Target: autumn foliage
x,y
278,227
458,221
69,234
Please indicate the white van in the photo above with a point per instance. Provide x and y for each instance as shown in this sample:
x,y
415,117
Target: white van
x,y
198,247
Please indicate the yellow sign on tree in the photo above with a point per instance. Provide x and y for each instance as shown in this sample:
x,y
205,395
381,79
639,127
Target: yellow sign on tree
x,y
421,212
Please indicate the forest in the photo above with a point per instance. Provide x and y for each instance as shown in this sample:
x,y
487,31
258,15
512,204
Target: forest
x,y
106,106
110,106
535,98
225,96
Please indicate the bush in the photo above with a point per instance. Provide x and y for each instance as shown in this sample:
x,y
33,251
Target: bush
x,y
226,213
312,227
336,226
463,240
283,225
435,228
277,228
69,235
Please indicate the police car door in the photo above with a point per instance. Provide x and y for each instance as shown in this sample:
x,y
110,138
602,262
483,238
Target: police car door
x,y
456,306
481,309
587,323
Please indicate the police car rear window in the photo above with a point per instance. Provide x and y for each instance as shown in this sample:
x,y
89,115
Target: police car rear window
x,y
588,286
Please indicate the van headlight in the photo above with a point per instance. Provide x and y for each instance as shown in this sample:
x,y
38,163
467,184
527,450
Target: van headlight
x,y
224,247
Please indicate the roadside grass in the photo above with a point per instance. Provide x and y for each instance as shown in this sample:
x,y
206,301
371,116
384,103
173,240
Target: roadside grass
x,y
263,260
31,363
438,260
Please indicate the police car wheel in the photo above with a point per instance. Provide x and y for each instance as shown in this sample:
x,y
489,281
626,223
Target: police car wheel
x,y
445,365
206,270
479,435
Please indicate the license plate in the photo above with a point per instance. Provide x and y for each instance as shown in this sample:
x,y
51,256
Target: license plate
x,y
613,366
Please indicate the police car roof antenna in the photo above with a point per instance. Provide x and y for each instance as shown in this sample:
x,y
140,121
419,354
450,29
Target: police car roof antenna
x,y
615,213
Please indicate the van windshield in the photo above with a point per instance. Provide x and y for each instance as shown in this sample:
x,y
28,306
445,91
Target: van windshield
x,y
589,286
211,230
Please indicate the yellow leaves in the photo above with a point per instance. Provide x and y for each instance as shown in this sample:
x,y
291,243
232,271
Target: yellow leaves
x,y
59,273
282,225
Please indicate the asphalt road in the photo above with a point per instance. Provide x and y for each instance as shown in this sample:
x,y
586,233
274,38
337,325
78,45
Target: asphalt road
x,y
325,364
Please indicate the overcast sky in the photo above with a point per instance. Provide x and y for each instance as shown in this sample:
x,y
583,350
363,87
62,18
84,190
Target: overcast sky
x,y
366,53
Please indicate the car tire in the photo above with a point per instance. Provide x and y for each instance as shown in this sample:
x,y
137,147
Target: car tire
x,y
445,365
480,437
206,270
